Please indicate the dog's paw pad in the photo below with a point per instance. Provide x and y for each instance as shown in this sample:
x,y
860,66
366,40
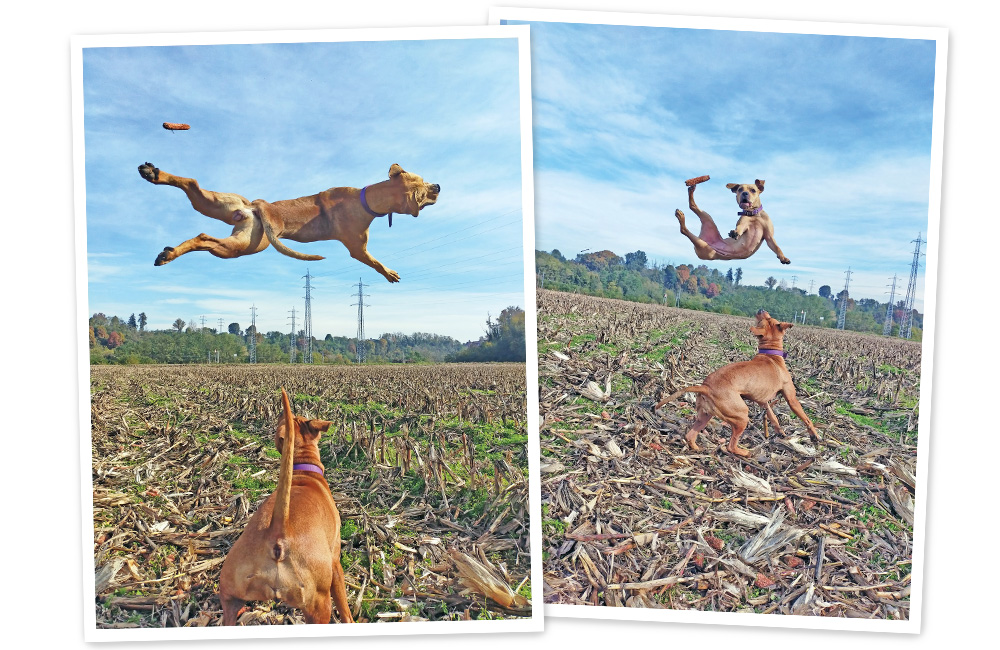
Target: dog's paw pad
x,y
164,256
149,172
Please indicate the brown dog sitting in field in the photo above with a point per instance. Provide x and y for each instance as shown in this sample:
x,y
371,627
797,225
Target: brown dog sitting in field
x,y
753,228
290,550
341,213
760,380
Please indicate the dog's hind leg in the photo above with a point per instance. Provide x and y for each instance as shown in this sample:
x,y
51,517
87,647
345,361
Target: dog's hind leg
x,y
738,426
224,206
338,589
691,437
319,610
701,247
245,240
230,608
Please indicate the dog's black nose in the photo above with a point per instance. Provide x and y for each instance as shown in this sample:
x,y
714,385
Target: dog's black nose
x,y
435,188
760,311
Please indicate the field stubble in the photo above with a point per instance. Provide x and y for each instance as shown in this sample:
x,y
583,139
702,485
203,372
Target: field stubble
x,y
633,518
428,465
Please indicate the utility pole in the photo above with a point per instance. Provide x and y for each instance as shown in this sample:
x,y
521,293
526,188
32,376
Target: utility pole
x,y
842,312
292,347
794,278
253,334
887,327
307,322
906,325
360,345
219,331
811,286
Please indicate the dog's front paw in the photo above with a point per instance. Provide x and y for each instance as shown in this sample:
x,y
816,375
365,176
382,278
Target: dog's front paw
x,y
149,172
391,275
785,260
165,256
734,234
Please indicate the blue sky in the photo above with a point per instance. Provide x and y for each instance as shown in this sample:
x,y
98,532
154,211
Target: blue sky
x,y
279,121
838,127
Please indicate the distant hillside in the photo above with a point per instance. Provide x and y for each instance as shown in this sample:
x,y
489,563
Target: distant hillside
x,y
606,274
117,341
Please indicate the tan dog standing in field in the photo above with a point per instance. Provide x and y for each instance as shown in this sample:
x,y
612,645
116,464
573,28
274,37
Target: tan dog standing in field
x,y
290,550
340,213
753,228
723,392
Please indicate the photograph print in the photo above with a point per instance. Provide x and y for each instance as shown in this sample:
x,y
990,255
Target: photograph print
x,y
303,304
736,246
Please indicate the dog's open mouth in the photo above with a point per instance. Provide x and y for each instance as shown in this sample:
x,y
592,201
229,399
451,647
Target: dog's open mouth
x,y
430,196
745,205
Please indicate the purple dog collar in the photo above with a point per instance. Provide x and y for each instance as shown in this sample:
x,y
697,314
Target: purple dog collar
x,y
750,213
777,353
364,204
308,467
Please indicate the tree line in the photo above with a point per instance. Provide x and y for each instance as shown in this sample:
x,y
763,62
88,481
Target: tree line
x,y
127,341
689,286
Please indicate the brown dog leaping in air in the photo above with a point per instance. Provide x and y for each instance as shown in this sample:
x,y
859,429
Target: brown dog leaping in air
x,y
760,380
290,550
753,228
341,213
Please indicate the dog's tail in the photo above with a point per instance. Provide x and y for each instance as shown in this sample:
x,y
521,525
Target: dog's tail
x,y
263,210
283,492
690,389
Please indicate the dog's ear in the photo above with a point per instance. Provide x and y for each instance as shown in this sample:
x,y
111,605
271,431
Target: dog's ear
x,y
784,326
732,187
317,426
757,331
760,184
395,170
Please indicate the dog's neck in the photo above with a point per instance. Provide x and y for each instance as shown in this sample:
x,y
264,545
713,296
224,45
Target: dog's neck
x,y
752,212
364,204
308,467
777,353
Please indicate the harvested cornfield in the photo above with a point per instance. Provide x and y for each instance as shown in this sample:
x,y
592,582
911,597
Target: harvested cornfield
x,y
633,518
428,466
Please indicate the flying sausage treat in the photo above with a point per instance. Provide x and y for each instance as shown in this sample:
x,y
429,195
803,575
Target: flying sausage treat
x,y
173,126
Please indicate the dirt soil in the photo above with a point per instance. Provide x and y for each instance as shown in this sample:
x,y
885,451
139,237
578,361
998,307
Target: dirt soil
x,y
633,518
428,466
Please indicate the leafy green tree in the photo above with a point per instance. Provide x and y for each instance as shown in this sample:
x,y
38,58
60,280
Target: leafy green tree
x,y
142,321
179,325
770,282
670,278
234,328
131,321
739,275
635,261
825,291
